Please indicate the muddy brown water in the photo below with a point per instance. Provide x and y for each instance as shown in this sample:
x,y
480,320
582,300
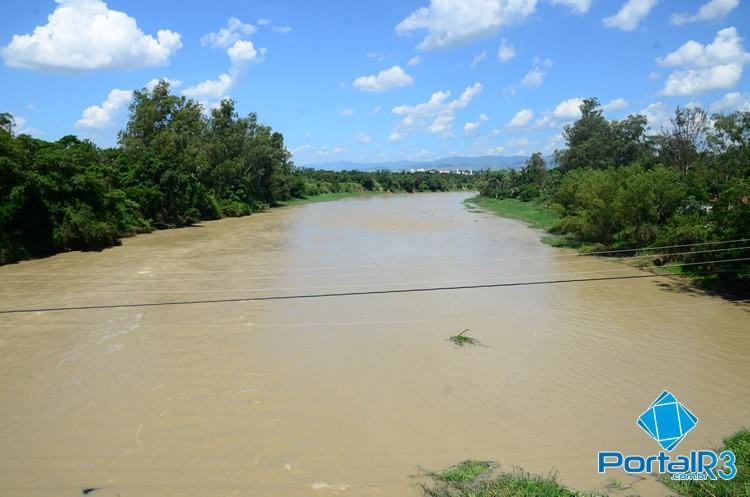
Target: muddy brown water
x,y
347,395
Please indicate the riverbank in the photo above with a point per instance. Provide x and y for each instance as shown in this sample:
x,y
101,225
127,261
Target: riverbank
x,y
483,479
329,197
539,216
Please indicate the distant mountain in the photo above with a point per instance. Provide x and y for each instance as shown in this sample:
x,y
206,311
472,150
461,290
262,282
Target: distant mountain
x,y
480,162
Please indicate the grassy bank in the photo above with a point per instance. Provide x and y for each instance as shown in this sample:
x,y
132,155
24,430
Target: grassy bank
x,y
327,197
483,479
739,486
532,212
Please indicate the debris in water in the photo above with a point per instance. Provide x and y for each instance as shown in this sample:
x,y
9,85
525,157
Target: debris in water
x,y
463,339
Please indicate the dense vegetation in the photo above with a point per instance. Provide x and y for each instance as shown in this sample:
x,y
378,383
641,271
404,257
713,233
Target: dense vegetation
x,y
617,186
175,165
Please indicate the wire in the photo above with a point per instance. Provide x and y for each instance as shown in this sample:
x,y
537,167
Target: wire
x,y
312,288
479,265
361,293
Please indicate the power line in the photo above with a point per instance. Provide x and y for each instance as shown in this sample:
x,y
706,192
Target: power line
x,y
361,293
333,268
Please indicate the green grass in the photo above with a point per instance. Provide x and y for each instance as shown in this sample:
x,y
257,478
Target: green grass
x,y
480,479
533,213
327,197
464,472
463,339
739,486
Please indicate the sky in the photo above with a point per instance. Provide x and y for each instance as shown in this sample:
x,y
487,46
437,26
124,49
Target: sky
x,y
375,80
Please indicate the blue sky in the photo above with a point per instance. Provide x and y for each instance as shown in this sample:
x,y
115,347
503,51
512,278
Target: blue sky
x,y
375,80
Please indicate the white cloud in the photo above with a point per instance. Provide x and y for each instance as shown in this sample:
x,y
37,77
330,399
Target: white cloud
x,y
263,22
568,109
478,59
83,35
414,60
243,52
709,11
656,114
535,77
282,29
451,22
173,83
522,118
394,136
240,53
693,81
346,112
577,6
726,48
362,138
437,114
653,75
387,79
375,110
470,127
101,116
630,15
519,142
714,66
734,101
229,35
212,89
505,52
616,104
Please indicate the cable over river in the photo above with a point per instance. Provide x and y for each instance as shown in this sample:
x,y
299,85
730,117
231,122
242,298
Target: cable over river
x,y
348,395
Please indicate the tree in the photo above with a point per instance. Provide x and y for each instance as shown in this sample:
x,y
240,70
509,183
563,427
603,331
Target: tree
x,y
684,139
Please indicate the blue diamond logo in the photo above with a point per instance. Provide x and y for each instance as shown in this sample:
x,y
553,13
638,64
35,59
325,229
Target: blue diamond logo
x,y
667,421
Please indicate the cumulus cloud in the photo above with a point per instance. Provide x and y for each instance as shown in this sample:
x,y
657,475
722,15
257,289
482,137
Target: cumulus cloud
x,y
84,35
414,60
616,104
577,6
734,101
522,118
228,35
709,11
535,77
362,138
472,126
437,115
656,114
630,15
705,67
568,109
282,29
452,22
102,116
243,52
173,83
478,59
394,136
212,89
505,52
240,52
387,79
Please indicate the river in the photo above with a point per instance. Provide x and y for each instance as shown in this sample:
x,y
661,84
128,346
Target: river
x,y
349,395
